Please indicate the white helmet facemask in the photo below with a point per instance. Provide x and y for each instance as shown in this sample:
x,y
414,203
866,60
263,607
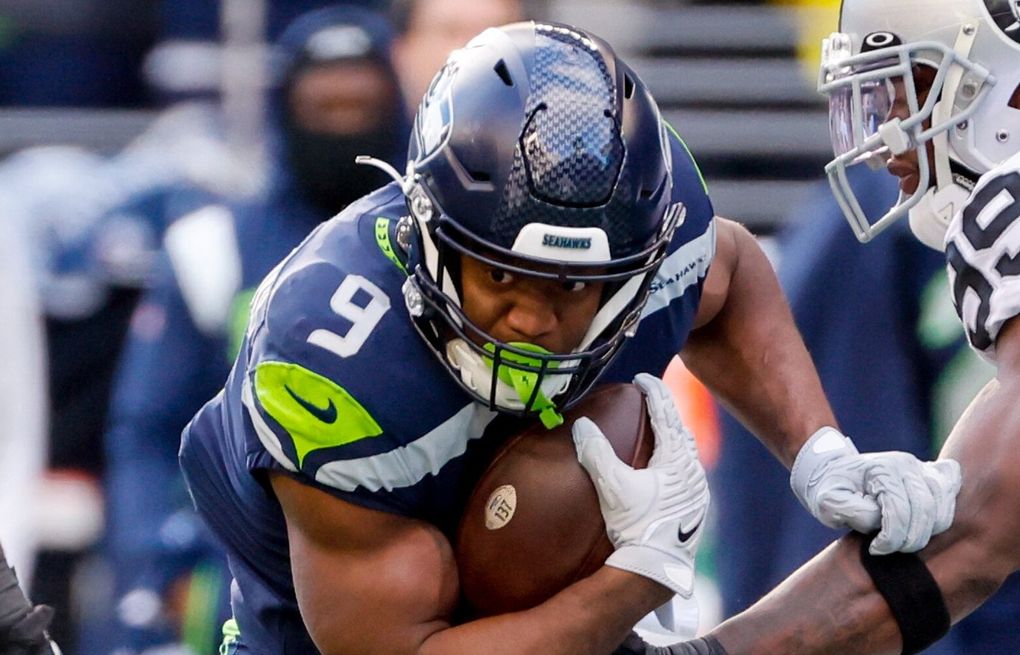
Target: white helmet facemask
x,y
876,112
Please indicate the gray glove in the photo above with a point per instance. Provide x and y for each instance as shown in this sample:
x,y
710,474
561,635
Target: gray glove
x,y
22,627
908,500
654,516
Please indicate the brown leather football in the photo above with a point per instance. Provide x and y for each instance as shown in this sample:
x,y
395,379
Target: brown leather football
x,y
532,525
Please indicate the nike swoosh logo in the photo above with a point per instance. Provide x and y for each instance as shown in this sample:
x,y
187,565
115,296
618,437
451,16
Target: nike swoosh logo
x,y
325,414
685,535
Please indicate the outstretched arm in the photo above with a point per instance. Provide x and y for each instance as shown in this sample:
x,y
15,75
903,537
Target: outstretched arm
x,y
748,352
831,606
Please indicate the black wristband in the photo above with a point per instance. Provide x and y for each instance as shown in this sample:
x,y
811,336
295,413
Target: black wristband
x,y
912,594
703,646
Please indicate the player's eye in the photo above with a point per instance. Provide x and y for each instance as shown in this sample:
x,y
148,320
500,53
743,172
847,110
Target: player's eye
x,y
574,286
499,276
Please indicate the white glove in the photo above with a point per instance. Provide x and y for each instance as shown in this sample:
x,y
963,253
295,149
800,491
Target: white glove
x,y
908,499
654,516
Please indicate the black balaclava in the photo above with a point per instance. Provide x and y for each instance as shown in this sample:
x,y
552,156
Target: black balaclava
x,y
322,166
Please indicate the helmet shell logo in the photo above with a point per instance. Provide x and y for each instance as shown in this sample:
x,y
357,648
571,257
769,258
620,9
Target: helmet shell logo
x,y
500,506
1006,14
435,112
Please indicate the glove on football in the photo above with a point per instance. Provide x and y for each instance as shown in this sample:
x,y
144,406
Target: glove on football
x,y
654,516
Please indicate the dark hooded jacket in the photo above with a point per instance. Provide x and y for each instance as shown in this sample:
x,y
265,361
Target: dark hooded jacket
x,y
186,331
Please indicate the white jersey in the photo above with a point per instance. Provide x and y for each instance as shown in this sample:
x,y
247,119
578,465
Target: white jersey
x,y
983,256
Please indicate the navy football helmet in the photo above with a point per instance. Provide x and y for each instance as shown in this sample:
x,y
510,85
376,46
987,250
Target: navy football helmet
x,y
537,151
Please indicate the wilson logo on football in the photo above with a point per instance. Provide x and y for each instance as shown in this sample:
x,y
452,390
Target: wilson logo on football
x,y
500,507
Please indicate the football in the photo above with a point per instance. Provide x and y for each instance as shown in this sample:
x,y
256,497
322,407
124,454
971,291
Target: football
x,y
532,524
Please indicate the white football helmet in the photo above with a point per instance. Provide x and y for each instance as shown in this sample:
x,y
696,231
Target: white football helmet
x,y
973,47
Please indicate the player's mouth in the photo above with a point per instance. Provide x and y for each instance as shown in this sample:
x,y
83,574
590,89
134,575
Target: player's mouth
x,y
907,172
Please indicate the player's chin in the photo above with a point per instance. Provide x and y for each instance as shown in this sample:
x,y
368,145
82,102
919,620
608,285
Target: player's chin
x,y
909,183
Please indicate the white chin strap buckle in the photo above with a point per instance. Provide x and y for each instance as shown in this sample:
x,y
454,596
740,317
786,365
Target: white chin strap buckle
x,y
894,137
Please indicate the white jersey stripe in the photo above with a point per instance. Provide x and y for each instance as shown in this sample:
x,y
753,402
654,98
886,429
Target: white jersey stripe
x,y
681,270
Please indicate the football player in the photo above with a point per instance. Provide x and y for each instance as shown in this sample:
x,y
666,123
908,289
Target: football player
x,y
931,90
550,231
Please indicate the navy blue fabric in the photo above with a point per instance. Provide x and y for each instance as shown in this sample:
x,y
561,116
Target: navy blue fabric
x,y
200,19
224,460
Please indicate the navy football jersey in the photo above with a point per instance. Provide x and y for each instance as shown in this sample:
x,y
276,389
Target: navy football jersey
x,y
334,385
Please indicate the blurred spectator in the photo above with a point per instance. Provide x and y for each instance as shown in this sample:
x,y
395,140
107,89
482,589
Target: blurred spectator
x,y
89,261
429,30
891,355
336,97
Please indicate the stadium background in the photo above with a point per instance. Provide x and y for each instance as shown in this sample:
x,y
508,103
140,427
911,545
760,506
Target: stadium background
x,y
99,97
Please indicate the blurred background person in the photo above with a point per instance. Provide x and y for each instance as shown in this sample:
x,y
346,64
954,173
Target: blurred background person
x,y
335,96
89,261
429,30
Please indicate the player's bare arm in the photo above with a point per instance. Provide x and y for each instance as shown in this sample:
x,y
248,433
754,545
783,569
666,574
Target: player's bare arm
x,y
373,582
810,613
747,350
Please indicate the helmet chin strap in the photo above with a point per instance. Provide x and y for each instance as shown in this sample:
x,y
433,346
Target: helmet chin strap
x,y
930,218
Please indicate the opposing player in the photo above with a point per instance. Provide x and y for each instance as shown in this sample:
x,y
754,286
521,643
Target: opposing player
x,y
931,89
550,232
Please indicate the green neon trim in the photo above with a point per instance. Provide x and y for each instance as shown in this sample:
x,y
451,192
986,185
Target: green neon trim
x,y
240,310
524,382
683,143
382,238
198,630
329,416
231,635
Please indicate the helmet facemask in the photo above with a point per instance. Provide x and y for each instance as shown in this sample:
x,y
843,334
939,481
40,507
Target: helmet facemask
x,y
536,152
877,111
515,377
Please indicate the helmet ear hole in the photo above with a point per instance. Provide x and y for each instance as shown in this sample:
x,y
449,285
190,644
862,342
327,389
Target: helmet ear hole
x,y
503,72
1014,100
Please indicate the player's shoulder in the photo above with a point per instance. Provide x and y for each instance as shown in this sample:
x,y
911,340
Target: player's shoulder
x,y
333,369
1003,177
328,296
982,243
693,246
689,187
988,218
